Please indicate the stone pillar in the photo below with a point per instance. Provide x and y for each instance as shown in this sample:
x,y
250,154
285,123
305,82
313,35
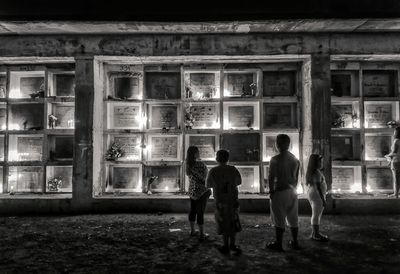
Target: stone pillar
x,y
320,110
83,139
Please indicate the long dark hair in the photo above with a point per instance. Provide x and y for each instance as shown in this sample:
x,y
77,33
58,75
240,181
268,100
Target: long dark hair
x,y
312,167
191,158
397,133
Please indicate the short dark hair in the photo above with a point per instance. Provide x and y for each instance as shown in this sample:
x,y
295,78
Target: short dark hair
x,y
222,156
282,142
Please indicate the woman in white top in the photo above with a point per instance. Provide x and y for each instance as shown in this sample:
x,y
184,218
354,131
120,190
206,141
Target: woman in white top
x,y
316,192
394,158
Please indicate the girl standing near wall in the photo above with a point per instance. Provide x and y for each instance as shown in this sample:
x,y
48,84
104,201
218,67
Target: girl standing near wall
x,y
198,193
316,192
394,158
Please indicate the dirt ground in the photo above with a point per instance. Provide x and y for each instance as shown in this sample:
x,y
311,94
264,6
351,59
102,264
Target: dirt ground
x,y
133,243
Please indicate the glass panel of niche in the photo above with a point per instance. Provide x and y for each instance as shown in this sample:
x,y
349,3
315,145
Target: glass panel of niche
x,y
345,115
61,147
167,179
265,185
242,147
25,147
379,83
27,84
1,180
269,147
241,115
163,116
163,85
240,83
279,83
3,86
345,147
3,116
126,85
208,145
25,179
250,179
124,115
346,179
377,146
2,147
62,116
344,83
202,116
163,147
129,145
26,116
379,180
58,179
124,178
62,85
280,115
202,85
378,114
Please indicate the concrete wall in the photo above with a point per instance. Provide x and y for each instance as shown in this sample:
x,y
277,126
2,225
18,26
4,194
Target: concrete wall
x,y
321,46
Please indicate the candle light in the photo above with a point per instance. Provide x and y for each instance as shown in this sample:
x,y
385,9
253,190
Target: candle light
x,y
356,187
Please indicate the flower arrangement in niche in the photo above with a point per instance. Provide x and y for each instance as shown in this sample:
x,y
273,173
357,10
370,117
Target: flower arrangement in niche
x,y
52,119
38,93
338,121
54,184
114,152
150,180
249,92
189,119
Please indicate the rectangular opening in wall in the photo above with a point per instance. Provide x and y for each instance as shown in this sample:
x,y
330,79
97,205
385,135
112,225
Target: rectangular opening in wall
x,y
124,178
344,83
207,144
250,179
345,115
59,179
378,114
164,147
279,115
163,85
346,179
202,116
163,116
380,83
126,85
63,85
25,147
26,116
240,84
279,83
242,147
25,179
61,147
167,178
124,115
64,115
27,84
241,115
200,85
379,180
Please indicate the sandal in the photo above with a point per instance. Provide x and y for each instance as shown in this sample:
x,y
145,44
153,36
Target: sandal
x,y
275,246
320,238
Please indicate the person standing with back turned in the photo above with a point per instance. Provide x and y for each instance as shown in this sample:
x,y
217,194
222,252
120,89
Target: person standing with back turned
x,y
282,179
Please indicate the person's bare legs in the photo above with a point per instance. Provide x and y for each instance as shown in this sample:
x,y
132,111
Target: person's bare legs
x,y
192,228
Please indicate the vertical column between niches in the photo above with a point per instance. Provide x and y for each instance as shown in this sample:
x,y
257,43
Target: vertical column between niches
x,y
83,140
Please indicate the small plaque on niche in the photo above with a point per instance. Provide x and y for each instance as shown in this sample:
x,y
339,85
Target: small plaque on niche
x,y
378,115
124,115
164,147
379,83
342,178
376,147
279,83
163,116
379,179
163,85
243,84
25,179
167,179
202,116
242,147
202,85
241,115
250,179
131,147
125,179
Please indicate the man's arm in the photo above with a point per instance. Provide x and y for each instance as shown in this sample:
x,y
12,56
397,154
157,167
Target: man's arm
x,y
271,176
210,180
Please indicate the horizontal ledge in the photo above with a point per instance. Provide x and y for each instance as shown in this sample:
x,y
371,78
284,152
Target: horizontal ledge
x,y
256,26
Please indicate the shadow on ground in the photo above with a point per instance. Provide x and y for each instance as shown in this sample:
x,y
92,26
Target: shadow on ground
x,y
133,243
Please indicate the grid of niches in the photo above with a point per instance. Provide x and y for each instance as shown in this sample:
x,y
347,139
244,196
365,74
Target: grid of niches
x,y
153,113
36,128
364,110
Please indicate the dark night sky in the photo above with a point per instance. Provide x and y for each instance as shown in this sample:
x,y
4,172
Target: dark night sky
x,y
194,10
